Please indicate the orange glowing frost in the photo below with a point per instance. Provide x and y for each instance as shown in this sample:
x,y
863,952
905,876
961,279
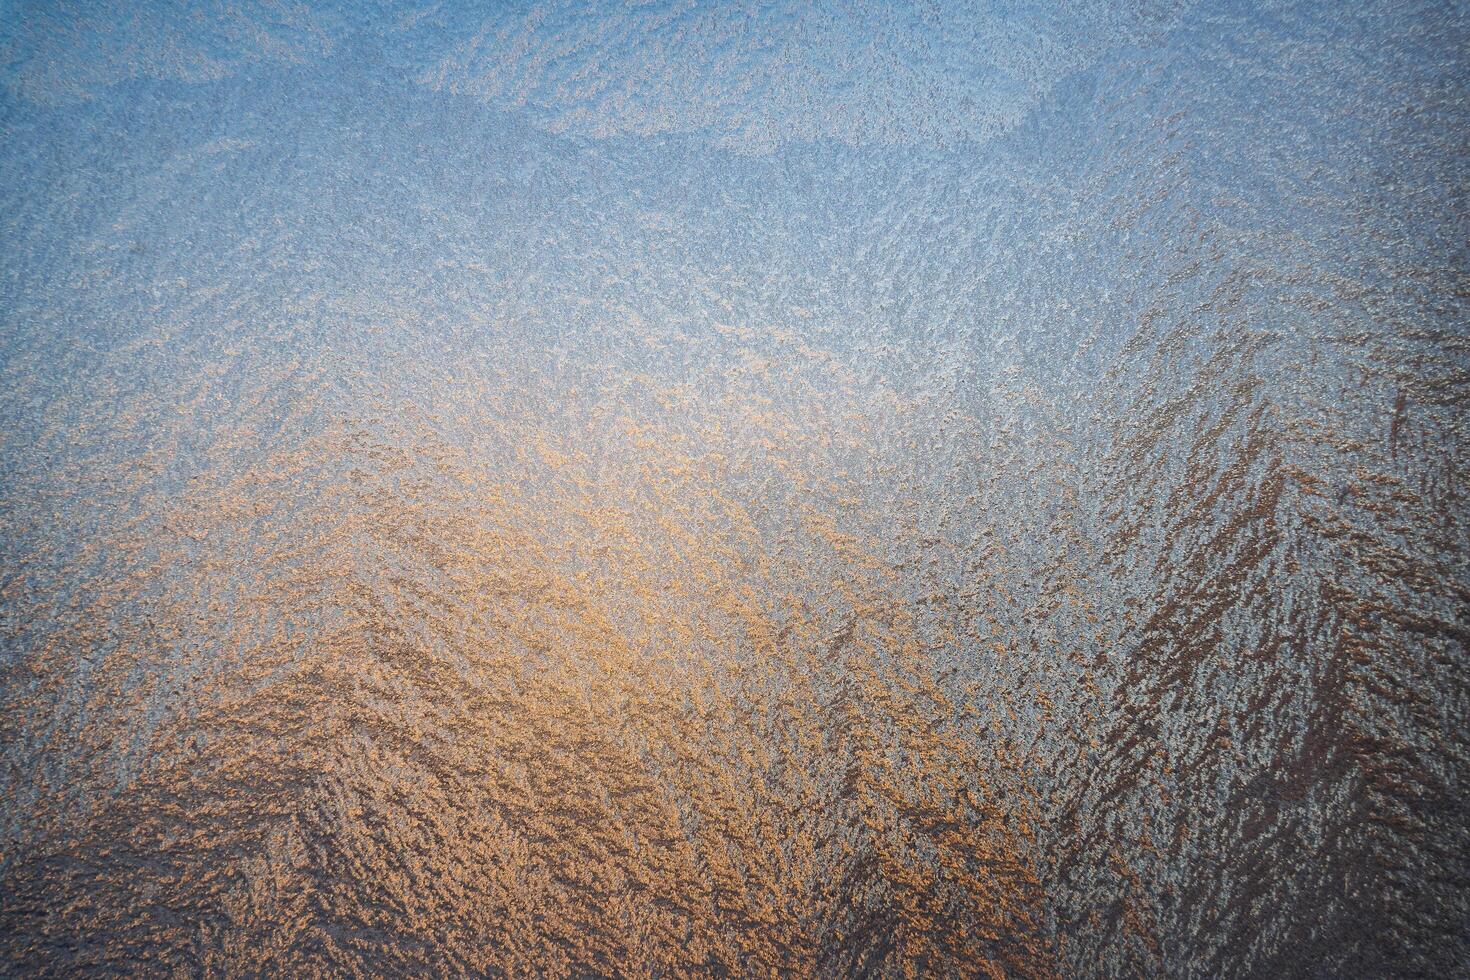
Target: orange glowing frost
x,y
548,700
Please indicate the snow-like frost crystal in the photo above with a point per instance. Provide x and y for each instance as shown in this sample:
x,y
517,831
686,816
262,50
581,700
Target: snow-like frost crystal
x,y
684,488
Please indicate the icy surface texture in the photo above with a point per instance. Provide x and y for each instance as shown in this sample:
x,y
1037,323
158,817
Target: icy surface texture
x,y
700,488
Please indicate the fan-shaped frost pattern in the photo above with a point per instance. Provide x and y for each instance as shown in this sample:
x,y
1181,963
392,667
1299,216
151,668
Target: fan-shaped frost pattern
x,y
681,489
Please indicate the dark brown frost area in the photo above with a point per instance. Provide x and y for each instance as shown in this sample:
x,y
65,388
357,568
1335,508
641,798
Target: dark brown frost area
x,y
685,490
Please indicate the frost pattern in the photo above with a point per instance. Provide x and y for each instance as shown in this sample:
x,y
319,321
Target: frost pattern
x,y
699,489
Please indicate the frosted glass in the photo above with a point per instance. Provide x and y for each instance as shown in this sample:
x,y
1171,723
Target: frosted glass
x,y
692,488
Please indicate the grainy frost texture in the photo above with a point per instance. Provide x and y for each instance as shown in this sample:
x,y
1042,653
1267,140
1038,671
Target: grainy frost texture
x,y
854,489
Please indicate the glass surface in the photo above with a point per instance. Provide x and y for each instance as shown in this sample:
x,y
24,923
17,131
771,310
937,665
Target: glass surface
x,y
685,488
